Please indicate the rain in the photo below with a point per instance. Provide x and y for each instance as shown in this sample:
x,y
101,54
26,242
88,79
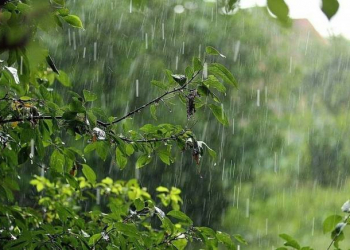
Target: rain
x,y
273,160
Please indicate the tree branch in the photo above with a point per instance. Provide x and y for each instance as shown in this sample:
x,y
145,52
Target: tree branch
x,y
101,123
153,101
172,137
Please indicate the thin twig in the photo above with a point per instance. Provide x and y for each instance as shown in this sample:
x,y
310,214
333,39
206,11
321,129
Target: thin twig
x,y
153,101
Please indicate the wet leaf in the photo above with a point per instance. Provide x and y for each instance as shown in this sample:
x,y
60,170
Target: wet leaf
x,y
89,96
219,114
73,21
89,173
212,51
330,222
330,8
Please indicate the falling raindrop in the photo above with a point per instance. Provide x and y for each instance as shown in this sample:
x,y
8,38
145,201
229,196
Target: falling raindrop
x,y
69,38
146,39
275,166
307,42
42,170
95,51
74,41
176,62
258,98
98,196
237,46
205,71
233,126
31,155
247,209
137,88
21,66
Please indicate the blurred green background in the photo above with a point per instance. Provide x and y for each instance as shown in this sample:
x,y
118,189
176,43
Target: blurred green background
x,y
283,162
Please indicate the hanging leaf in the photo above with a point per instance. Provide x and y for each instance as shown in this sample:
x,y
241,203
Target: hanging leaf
x,y
57,161
213,82
63,79
330,8
164,155
52,65
330,222
153,110
212,51
121,159
197,64
143,160
89,173
290,242
219,114
180,216
219,70
280,9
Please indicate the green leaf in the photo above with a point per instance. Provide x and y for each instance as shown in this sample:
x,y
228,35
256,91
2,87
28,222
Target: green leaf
x,y
290,242
90,147
102,149
197,64
89,174
63,79
153,110
121,159
139,204
92,118
143,160
167,225
73,21
330,222
159,84
93,239
220,71
89,96
240,239
225,239
162,189
57,161
213,82
76,105
180,216
129,149
212,51
179,244
279,8
127,229
164,155
219,114
330,8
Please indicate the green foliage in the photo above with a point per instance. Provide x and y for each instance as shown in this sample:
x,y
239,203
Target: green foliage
x,y
73,209
129,223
